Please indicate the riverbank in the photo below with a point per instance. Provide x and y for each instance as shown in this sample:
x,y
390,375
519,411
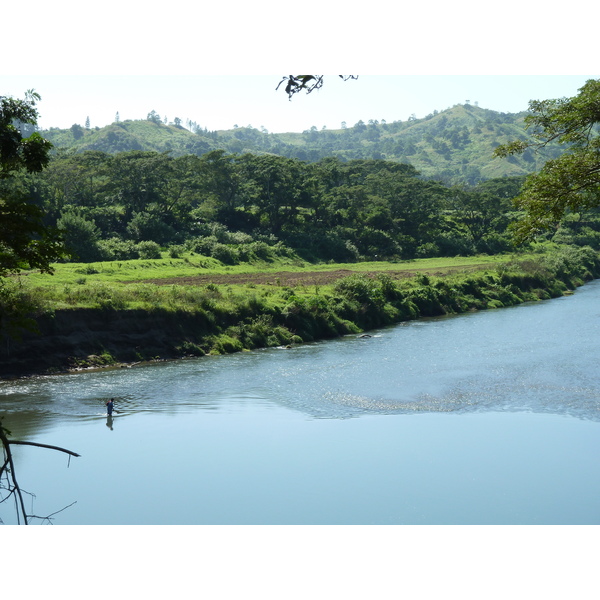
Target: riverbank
x,y
220,319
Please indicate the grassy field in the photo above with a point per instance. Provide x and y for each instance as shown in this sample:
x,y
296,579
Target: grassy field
x,y
177,284
194,281
185,269
187,282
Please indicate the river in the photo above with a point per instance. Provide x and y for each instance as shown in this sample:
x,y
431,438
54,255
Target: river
x,y
487,418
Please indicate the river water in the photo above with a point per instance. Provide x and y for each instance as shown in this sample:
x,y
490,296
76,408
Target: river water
x,y
486,418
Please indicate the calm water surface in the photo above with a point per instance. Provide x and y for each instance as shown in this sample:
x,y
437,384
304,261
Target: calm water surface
x,y
486,418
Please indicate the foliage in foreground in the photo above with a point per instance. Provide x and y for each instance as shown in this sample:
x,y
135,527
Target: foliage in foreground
x,y
567,184
25,240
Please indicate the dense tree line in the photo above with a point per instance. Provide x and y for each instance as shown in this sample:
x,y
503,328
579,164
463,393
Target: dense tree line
x,y
117,206
238,206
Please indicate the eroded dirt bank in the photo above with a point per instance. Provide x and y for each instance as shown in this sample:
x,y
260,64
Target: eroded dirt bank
x,y
75,338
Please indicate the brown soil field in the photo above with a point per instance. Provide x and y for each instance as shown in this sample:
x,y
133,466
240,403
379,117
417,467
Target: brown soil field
x,y
288,278
296,278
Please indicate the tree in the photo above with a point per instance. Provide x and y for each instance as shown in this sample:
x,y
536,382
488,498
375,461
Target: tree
x,y
571,182
221,187
154,117
307,83
276,189
139,178
477,212
81,236
17,152
25,242
77,131
8,477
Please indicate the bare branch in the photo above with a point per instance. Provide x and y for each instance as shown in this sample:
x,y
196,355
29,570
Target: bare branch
x,y
45,446
8,468
49,517
15,485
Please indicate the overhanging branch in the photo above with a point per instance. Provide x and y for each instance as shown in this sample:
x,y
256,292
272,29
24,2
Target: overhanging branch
x,y
45,446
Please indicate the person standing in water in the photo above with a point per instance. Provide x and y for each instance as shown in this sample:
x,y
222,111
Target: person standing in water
x,y
110,406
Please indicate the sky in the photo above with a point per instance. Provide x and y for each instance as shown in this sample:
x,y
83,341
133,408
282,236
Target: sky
x,y
222,101
218,64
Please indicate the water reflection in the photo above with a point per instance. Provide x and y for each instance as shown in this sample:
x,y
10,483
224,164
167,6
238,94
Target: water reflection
x,y
109,422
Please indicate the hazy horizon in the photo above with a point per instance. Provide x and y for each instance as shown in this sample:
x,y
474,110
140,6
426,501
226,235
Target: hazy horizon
x,y
220,102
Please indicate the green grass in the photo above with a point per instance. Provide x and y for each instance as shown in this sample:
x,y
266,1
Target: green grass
x,y
127,285
128,270
192,265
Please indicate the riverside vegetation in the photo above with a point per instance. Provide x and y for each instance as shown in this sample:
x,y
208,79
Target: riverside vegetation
x,y
218,248
102,314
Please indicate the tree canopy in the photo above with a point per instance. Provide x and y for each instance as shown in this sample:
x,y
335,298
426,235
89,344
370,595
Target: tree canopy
x,y
571,182
25,241
307,83
16,151
109,205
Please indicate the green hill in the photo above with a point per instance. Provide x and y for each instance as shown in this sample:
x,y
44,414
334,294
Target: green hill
x,y
131,135
455,145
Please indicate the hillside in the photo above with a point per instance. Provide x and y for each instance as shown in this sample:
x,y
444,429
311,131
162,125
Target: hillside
x,y
455,145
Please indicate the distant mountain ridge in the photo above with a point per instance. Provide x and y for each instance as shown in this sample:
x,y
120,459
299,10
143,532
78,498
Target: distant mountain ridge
x,y
455,145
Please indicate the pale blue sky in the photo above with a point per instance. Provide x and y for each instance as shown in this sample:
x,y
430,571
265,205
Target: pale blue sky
x,y
222,101
192,60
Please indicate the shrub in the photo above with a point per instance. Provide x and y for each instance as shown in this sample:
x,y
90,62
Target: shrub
x,y
81,236
389,287
118,249
224,253
225,344
148,250
238,237
427,300
18,307
494,243
360,288
188,348
148,226
176,251
428,250
260,250
335,246
455,244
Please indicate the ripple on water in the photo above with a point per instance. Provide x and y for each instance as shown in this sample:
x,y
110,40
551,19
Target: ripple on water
x,y
541,357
